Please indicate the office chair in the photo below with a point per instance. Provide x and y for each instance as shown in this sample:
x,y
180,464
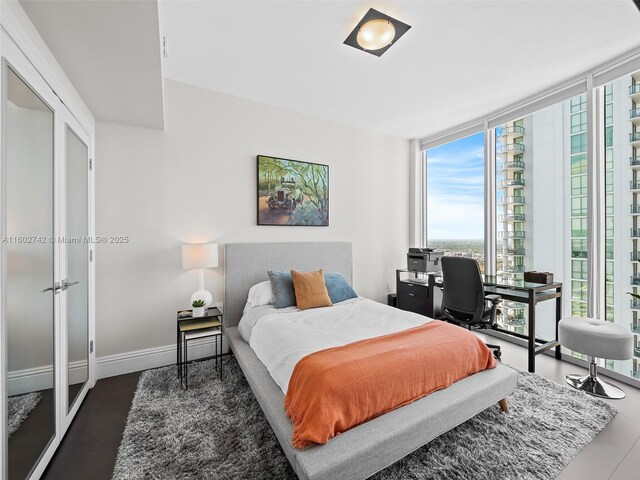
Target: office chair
x,y
463,298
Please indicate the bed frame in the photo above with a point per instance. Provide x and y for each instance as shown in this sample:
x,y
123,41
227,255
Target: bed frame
x,y
368,448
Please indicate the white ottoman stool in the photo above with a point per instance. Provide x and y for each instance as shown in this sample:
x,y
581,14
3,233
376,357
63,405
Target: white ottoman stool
x,y
598,339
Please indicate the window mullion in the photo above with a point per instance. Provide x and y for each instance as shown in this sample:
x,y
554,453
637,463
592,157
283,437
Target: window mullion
x,y
490,210
595,202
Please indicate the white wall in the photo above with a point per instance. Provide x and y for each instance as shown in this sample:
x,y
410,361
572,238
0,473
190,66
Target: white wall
x,y
196,182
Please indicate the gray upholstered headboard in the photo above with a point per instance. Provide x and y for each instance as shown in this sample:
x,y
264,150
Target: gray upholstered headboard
x,y
246,264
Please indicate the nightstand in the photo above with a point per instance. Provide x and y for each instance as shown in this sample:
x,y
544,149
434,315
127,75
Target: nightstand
x,y
190,328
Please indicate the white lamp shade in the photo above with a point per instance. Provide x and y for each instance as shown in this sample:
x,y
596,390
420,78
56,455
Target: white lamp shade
x,y
202,255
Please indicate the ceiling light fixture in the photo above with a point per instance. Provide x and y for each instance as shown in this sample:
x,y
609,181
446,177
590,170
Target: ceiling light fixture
x,y
376,32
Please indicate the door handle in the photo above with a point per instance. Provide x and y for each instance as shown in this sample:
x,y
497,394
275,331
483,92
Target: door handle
x,y
66,285
60,288
55,289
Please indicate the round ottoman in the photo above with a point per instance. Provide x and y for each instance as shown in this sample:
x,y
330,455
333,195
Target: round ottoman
x,y
597,339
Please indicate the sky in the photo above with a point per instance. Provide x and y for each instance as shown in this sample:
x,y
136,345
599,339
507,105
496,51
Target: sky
x,y
455,190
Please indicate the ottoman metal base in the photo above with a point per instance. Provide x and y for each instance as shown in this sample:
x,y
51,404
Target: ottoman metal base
x,y
593,385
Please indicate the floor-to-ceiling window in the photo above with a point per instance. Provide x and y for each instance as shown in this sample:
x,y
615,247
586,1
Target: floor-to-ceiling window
x,y
577,171
455,197
541,203
567,198
621,107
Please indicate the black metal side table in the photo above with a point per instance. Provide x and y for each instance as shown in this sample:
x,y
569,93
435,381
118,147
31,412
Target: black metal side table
x,y
190,328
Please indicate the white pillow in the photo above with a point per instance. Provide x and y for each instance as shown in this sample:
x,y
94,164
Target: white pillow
x,y
260,294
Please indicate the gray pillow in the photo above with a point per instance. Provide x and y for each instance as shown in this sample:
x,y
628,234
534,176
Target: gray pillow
x,y
284,294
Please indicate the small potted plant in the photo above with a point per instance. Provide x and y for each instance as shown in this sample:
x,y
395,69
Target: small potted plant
x,y
198,308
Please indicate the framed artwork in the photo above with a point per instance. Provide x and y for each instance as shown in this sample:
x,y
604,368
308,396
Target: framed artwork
x,y
291,192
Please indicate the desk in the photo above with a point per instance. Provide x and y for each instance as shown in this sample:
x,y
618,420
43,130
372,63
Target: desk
x,y
524,292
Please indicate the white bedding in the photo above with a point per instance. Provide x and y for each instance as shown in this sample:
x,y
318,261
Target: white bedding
x,y
281,338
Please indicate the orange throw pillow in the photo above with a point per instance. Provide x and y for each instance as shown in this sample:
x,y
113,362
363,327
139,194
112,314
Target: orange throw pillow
x,y
311,291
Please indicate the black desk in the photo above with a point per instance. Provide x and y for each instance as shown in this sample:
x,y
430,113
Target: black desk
x,y
524,292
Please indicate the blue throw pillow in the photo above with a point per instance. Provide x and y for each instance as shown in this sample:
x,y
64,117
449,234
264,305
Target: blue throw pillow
x,y
338,288
282,286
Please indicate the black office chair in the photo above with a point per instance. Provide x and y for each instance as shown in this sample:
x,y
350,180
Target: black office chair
x,y
463,298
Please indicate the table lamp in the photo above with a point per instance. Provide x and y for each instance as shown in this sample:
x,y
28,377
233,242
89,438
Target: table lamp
x,y
200,256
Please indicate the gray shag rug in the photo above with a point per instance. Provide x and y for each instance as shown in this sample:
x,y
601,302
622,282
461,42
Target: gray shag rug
x,y
216,430
19,407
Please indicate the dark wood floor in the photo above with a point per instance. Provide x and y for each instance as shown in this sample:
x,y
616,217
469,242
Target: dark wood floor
x,y
34,434
32,437
90,447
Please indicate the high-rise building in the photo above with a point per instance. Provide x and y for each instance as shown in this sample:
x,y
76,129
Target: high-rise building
x,y
542,203
511,217
634,164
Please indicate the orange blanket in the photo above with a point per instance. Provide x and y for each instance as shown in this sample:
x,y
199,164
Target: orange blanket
x,y
333,390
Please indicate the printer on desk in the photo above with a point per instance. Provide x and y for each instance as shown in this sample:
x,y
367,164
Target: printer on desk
x,y
424,260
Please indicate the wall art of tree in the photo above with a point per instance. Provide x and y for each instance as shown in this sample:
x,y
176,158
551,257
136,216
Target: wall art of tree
x,y
311,179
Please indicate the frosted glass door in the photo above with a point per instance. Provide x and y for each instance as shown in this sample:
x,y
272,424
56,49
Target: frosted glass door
x,y
77,282
29,274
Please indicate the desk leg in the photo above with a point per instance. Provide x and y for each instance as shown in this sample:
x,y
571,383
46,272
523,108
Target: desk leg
x,y
558,317
532,333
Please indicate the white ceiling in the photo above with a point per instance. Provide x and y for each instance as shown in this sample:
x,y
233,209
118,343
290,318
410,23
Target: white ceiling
x,y
110,50
460,59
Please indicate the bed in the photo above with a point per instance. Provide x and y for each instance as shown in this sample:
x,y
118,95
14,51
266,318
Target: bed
x,y
368,448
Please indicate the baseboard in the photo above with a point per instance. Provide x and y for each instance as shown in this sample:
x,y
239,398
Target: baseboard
x,y
136,361
78,372
29,380
41,378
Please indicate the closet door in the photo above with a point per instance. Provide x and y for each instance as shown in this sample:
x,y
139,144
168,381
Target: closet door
x,y
30,267
75,265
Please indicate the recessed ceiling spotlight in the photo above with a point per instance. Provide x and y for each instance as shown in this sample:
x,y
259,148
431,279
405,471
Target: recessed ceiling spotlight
x,y
376,32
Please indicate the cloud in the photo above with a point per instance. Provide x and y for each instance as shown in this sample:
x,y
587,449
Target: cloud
x,y
455,190
451,217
